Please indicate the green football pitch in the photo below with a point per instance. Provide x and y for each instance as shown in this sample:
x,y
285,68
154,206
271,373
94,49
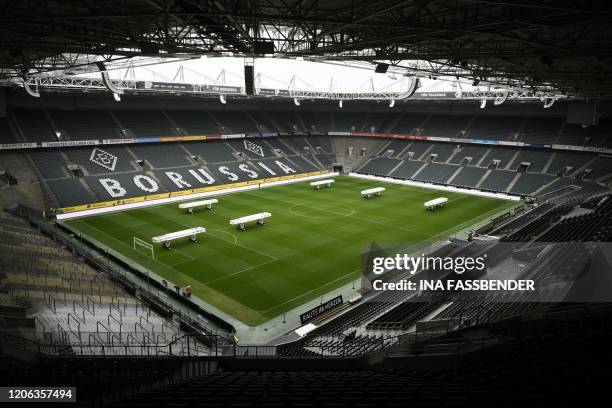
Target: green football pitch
x,y
311,245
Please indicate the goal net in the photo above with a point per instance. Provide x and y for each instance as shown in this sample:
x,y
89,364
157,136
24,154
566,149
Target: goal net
x,y
139,244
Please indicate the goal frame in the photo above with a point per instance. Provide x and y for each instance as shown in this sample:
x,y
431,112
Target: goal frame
x,y
138,241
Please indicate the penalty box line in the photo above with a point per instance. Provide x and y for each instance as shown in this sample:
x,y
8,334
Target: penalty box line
x,y
239,272
130,247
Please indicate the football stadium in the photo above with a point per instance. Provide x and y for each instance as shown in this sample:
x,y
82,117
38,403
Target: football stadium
x,y
305,203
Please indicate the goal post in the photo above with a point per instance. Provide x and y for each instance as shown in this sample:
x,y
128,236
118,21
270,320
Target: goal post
x,y
137,242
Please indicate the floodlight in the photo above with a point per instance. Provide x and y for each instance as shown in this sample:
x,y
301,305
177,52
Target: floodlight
x,y
29,90
501,98
340,103
549,101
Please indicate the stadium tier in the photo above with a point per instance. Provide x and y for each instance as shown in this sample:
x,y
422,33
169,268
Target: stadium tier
x,y
120,270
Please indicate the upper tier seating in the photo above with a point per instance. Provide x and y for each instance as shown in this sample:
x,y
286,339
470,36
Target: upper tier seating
x,y
446,125
85,124
348,121
34,125
263,124
541,130
323,121
379,122
6,134
235,121
601,135
194,122
574,135
284,121
409,123
493,127
145,123
309,121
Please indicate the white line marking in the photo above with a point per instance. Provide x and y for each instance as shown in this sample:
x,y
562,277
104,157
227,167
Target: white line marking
x,y
234,237
240,271
306,293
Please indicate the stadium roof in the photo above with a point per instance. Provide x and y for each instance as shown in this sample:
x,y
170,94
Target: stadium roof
x,y
552,46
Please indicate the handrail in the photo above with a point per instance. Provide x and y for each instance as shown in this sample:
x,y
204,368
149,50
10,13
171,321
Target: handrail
x,y
119,322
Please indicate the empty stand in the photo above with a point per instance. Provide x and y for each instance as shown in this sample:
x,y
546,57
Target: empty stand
x,y
446,125
161,155
70,191
498,180
34,125
96,161
442,152
530,182
436,172
469,176
194,122
493,127
6,133
50,163
536,159
380,166
145,123
235,121
211,152
541,130
85,124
